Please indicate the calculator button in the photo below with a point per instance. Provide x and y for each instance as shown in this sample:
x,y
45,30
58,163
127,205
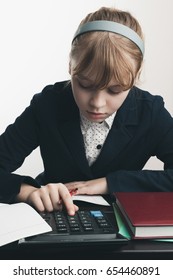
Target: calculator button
x,y
104,225
96,213
62,230
74,225
87,224
88,228
75,229
61,226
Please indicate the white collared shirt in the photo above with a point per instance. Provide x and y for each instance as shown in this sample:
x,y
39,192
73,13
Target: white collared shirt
x,y
94,135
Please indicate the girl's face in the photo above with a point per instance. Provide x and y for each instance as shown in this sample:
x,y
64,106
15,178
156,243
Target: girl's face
x,y
96,105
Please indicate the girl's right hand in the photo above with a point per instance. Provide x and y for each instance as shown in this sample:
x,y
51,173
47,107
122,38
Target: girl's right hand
x,y
48,198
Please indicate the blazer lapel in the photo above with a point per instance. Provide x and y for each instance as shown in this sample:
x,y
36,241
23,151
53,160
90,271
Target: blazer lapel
x,y
117,139
119,135
73,138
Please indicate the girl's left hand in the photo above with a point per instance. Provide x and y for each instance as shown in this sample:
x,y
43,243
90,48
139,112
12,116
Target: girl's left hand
x,y
96,186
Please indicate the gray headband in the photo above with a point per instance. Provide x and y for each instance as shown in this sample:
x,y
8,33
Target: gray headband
x,y
111,26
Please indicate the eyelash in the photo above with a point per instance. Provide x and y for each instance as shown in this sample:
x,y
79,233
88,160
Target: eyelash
x,y
114,92
91,87
85,87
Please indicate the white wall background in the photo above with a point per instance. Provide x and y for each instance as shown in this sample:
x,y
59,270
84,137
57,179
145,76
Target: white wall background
x,y
35,38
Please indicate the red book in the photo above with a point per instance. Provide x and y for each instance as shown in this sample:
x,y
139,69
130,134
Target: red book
x,y
147,214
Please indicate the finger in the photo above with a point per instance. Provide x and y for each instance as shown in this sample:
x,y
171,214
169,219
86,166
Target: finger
x,y
76,207
55,198
67,200
46,200
35,200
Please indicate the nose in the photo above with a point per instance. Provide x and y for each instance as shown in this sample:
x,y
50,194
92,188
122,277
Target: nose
x,y
98,100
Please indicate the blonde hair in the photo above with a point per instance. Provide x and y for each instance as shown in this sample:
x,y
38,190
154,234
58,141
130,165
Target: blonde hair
x,y
107,55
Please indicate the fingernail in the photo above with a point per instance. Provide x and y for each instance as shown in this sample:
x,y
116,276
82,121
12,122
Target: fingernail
x,y
73,192
72,213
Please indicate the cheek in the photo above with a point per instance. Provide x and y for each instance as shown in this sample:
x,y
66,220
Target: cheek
x,y
115,103
80,99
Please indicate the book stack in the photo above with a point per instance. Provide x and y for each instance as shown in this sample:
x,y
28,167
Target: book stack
x,y
146,214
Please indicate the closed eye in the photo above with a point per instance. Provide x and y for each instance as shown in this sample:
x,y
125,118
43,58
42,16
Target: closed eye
x,y
114,91
88,86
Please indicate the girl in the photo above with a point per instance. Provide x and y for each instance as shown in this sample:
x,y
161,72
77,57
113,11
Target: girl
x,y
95,132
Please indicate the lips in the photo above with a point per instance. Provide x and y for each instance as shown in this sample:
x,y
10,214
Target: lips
x,y
95,116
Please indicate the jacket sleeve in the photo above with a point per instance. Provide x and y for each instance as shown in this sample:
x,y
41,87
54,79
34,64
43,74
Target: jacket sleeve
x,y
16,143
150,180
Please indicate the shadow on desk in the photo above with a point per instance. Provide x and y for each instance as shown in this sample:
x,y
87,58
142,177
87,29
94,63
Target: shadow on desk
x,y
136,249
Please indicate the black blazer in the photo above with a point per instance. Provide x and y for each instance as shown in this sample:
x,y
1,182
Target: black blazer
x,y
142,128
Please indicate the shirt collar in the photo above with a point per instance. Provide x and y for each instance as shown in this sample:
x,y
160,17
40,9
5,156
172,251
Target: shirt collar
x,y
110,119
86,123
